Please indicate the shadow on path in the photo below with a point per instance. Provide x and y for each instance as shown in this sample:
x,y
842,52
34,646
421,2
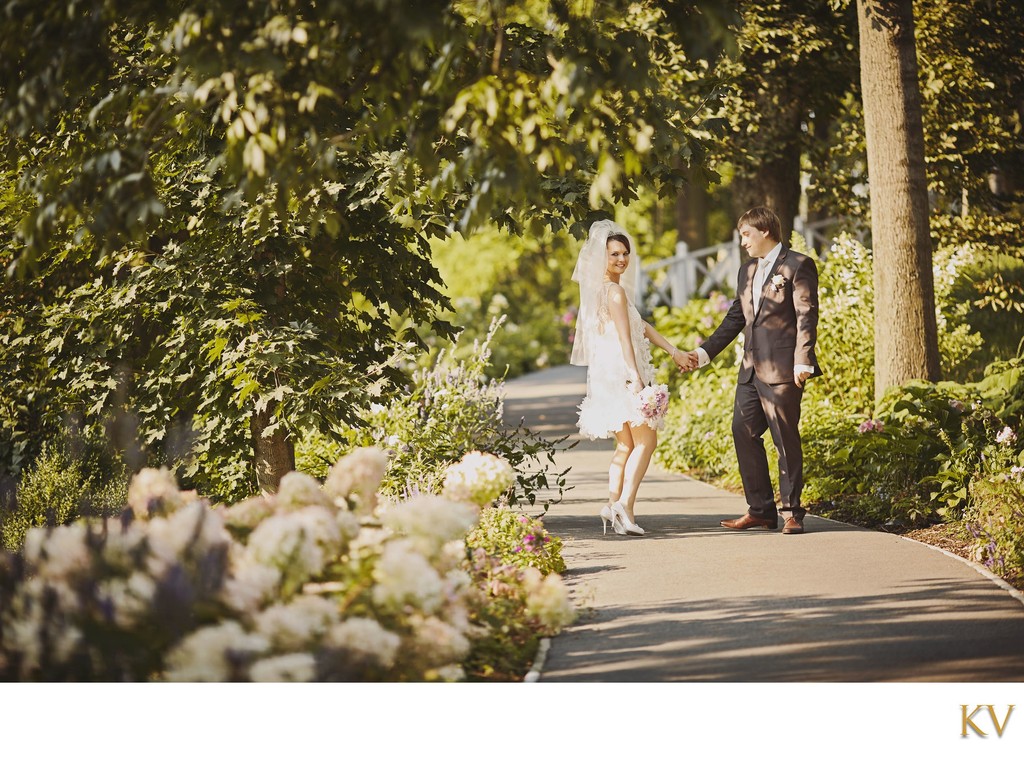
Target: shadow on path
x,y
953,635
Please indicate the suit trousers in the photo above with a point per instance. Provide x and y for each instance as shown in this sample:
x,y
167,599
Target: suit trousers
x,y
760,407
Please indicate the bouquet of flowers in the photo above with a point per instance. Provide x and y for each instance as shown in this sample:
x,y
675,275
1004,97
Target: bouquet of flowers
x,y
653,403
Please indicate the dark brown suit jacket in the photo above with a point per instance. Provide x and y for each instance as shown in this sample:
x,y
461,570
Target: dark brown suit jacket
x,y
784,330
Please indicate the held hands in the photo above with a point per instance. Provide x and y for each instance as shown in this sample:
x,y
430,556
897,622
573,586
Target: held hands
x,y
686,361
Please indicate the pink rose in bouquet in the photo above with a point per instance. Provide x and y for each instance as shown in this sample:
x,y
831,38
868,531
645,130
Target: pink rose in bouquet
x,y
653,402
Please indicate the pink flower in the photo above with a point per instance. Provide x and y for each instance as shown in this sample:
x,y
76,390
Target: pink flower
x,y
1006,436
868,426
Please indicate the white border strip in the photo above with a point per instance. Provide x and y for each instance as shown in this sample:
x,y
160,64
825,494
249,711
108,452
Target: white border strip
x,y
538,662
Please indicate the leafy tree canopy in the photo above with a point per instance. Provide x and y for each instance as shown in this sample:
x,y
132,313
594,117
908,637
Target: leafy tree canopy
x,y
220,208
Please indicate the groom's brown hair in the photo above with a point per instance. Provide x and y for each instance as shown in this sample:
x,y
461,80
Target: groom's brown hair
x,y
764,219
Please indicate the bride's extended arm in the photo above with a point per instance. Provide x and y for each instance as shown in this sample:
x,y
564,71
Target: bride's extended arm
x,y
620,316
660,341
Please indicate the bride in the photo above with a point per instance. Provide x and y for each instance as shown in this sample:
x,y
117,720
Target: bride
x,y
614,343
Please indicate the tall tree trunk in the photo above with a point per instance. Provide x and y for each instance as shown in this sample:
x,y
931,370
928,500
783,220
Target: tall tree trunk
x,y
274,453
774,182
906,337
692,212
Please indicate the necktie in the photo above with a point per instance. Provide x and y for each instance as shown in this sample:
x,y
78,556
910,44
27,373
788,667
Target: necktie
x,y
762,269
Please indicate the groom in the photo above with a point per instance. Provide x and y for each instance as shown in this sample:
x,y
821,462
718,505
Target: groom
x,y
776,309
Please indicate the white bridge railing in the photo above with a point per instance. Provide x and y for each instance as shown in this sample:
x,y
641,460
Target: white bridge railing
x,y
694,274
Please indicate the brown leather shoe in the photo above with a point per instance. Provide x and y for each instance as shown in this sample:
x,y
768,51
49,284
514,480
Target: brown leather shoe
x,y
793,525
749,521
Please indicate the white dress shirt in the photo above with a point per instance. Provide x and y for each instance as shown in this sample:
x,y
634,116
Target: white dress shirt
x,y
763,267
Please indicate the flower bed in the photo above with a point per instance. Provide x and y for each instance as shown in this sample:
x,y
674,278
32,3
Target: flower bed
x,y
316,582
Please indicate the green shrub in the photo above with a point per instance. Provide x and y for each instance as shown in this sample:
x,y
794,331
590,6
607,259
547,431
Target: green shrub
x,y
535,341
996,522
698,430
905,466
686,327
511,552
914,461
56,489
524,278
517,539
449,409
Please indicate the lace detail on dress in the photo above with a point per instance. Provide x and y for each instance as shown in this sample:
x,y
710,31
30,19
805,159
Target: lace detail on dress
x,y
609,403
604,315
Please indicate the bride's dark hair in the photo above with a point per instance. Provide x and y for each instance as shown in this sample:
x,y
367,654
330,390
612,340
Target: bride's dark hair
x,y
622,239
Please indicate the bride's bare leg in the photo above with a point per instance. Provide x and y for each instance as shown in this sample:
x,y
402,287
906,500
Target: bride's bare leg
x,y
617,469
644,441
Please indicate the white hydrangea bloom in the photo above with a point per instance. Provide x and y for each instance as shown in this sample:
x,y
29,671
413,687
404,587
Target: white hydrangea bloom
x,y
122,543
32,549
250,512
370,539
298,490
151,487
458,589
356,476
26,631
450,673
204,654
58,591
404,576
22,635
298,624
297,667
548,599
129,598
452,555
250,584
365,637
299,543
348,524
61,552
430,521
439,643
195,527
478,478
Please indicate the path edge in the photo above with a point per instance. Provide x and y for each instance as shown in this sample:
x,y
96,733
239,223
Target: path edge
x,y
978,568
538,661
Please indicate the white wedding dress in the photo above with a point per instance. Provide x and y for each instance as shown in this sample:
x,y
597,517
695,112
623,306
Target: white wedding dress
x,y
609,403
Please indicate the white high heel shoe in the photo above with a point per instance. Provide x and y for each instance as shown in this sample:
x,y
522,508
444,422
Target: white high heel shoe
x,y
622,524
607,516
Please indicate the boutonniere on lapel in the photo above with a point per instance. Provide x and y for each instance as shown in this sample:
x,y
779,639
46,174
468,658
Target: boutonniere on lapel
x,y
777,283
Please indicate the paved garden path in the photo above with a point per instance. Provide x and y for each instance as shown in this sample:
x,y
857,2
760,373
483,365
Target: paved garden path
x,y
692,601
